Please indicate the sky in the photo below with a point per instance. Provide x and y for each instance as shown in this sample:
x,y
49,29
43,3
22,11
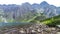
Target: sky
x,y
19,2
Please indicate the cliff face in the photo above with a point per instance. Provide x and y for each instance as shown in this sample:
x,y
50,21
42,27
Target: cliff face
x,y
25,10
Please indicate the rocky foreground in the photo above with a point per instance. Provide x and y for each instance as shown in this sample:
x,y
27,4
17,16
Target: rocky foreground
x,y
32,29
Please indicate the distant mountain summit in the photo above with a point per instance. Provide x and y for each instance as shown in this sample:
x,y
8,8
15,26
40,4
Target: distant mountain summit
x,y
49,10
27,8
44,3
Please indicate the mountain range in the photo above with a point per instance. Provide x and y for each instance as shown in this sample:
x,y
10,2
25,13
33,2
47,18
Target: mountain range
x,y
27,10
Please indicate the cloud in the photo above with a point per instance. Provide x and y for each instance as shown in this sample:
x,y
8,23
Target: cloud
x,y
53,2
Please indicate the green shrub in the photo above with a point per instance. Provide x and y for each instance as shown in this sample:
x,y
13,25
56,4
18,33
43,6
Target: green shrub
x,y
52,21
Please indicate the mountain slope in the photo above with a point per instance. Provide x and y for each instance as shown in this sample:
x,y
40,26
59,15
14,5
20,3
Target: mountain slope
x,y
52,21
21,12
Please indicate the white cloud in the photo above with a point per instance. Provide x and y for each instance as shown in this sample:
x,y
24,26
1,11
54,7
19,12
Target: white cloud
x,y
53,2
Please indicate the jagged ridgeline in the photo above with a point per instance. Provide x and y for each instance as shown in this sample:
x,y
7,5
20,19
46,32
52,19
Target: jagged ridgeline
x,y
16,13
27,12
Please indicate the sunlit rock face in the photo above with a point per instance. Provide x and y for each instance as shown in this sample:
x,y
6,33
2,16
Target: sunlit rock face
x,y
2,18
18,12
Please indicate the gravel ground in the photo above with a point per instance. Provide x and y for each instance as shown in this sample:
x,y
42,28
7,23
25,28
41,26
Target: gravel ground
x,y
32,29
